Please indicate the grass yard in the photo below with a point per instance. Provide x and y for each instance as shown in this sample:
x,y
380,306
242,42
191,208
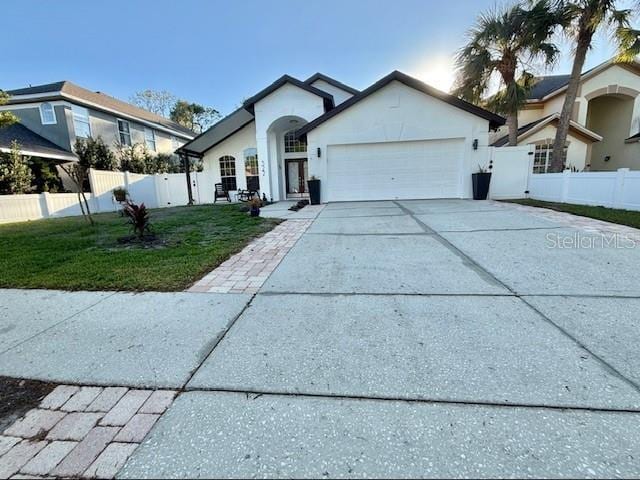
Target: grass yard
x,y
67,253
623,217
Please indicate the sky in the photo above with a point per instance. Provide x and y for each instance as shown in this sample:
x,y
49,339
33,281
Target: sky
x,y
218,53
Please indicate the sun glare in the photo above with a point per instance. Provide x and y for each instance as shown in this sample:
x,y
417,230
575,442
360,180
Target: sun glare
x,y
439,74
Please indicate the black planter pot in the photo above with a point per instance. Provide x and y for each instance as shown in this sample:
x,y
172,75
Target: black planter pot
x,y
255,212
314,191
480,183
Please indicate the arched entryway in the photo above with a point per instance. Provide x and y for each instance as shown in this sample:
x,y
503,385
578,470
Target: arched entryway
x,y
290,156
610,116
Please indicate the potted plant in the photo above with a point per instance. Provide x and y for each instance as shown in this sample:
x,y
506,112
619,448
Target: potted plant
x,y
120,194
481,181
255,203
314,190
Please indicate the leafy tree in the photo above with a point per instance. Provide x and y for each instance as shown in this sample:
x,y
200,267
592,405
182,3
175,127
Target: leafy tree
x,y
193,116
15,174
6,118
159,102
135,158
45,176
503,43
91,153
94,153
584,19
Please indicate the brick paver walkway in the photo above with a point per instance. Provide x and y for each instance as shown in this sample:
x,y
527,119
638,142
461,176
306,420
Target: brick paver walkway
x,y
80,432
587,224
246,271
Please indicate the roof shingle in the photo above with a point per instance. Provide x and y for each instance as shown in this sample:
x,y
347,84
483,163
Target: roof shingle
x,y
99,99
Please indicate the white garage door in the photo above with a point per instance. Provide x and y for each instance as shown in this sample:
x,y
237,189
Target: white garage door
x,y
394,170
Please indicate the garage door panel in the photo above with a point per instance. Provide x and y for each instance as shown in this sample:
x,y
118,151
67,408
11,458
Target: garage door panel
x,y
394,170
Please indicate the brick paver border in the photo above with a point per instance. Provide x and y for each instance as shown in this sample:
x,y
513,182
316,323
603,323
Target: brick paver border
x,y
247,271
587,224
80,432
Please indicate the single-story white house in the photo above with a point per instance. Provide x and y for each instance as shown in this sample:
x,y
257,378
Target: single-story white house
x,y
397,139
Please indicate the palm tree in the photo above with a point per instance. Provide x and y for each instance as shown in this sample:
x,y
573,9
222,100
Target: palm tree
x,y
585,17
505,42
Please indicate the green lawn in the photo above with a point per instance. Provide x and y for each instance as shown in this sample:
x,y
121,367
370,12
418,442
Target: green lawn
x,y
622,217
67,253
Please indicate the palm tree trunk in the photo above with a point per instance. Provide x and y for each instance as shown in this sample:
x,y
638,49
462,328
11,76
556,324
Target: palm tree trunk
x,y
562,130
512,125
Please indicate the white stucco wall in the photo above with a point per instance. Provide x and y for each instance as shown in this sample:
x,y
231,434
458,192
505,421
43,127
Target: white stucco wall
x,y
577,153
397,113
339,95
234,146
288,100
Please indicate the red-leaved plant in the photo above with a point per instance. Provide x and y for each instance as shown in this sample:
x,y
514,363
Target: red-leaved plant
x,y
138,218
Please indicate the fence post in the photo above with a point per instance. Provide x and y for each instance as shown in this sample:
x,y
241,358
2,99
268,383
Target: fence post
x,y
564,192
618,190
45,207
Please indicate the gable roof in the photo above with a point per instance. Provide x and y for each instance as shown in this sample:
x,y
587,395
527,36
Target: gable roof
x,y
218,132
72,92
547,84
552,85
283,80
531,128
633,138
494,120
32,144
331,81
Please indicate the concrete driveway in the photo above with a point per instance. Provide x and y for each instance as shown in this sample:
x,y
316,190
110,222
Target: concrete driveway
x,y
396,339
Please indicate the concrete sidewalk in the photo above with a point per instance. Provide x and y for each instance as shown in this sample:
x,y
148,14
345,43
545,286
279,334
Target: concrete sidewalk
x,y
395,339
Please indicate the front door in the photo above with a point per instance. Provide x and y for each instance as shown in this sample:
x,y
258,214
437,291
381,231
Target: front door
x,y
296,176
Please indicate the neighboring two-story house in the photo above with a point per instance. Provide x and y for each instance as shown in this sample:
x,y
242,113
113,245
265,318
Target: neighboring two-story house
x,y
604,132
54,115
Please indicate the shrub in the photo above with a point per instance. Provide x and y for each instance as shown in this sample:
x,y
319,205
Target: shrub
x,y
94,153
15,174
138,218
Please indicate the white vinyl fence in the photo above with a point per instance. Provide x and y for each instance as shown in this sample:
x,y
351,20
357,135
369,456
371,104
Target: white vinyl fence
x,y
510,171
619,189
155,191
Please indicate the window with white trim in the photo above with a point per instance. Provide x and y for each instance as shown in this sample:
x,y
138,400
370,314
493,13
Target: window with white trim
x,y
543,156
228,172
81,123
150,139
124,132
175,144
251,169
293,144
47,114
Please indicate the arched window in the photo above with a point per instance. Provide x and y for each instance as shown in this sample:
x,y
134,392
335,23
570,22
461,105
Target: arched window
x,y
47,113
228,172
292,144
251,169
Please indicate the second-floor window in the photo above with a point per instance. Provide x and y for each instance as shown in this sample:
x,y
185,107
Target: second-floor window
x,y
124,132
150,139
47,114
81,121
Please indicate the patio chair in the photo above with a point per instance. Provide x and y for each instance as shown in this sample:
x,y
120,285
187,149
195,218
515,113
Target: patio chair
x,y
246,195
221,193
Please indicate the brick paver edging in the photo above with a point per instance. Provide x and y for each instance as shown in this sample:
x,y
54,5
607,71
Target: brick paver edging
x,y
587,224
80,432
247,271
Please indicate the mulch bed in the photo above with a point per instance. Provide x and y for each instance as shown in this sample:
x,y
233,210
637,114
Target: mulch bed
x,y
17,397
